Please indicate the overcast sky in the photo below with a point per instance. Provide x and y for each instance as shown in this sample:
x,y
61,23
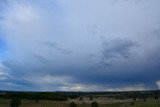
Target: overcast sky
x,y
79,45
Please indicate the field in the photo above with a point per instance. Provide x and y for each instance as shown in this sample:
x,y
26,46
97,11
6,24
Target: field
x,y
85,103
81,99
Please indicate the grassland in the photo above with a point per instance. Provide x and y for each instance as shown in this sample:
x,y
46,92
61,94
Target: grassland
x,y
83,99
46,103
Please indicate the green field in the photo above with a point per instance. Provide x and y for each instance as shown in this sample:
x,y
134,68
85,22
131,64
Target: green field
x,y
136,104
45,103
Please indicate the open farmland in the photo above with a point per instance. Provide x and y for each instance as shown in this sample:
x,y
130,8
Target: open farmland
x,y
46,103
82,99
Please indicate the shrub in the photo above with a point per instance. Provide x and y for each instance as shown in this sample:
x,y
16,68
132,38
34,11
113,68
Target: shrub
x,y
80,99
94,104
91,98
15,102
73,104
37,101
134,98
156,97
83,104
132,103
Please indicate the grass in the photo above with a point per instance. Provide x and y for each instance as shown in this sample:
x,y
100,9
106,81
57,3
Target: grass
x,y
136,104
147,104
46,103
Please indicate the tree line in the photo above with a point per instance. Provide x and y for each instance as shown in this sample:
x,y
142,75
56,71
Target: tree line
x,y
63,96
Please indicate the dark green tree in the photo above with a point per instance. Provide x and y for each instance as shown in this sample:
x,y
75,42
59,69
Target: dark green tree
x,y
132,103
37,101
134,98
80,99
15,102
83,104
94,104
91,97
155,97
73,104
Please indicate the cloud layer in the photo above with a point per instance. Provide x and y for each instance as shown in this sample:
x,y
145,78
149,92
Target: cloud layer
x,y
80,45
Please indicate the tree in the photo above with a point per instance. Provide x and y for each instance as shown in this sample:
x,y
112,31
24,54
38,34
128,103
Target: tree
x,y
83,104
132,103
134,98
144,98
155,97
73,104
37,101
80,99
15,102
90,96
94,104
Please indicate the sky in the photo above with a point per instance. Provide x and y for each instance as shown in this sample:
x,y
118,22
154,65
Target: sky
x,y
79,45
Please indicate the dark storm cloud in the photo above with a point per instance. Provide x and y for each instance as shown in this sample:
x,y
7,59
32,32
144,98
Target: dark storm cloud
x,y
133,71
117,48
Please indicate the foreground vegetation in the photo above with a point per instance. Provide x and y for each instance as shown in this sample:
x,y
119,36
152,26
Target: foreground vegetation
x,y
46,103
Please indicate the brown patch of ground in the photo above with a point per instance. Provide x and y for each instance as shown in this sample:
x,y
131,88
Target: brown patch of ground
x,y
99,100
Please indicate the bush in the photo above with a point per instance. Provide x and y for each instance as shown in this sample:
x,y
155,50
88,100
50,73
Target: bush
x,y
144,99
134,98
15,102
91,98
37,101
132,103
156,97
80,99
83,104
73,104
61,97
94,104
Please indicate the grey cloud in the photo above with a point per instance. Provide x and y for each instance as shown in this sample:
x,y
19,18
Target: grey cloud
x,y
4,72
117,48
156,33
40,58
55,46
